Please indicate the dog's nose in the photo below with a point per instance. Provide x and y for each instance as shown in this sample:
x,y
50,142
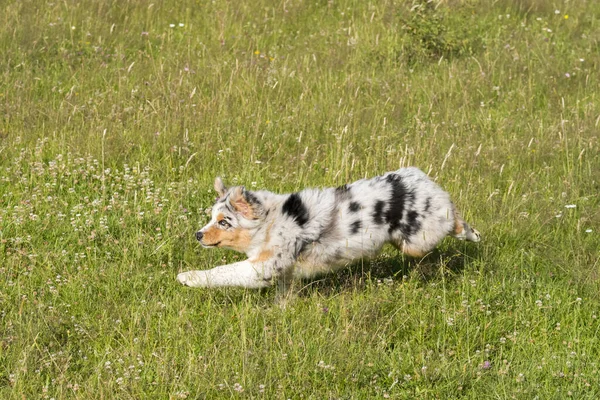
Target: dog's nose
x,y
199,236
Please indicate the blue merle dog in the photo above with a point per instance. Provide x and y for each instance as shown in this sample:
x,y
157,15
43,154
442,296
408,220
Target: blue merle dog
x,y
314,231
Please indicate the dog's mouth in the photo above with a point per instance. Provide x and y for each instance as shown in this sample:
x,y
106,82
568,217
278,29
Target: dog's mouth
x,y
206,245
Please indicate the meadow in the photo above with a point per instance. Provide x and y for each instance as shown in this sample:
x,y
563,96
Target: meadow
x,y
117,115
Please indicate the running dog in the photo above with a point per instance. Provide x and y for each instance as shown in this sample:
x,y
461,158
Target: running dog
x,y
314,231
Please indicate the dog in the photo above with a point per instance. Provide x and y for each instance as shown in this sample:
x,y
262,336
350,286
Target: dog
x,y
314,231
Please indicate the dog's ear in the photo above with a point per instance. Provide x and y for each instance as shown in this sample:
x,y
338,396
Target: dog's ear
x,y
220,188
245,203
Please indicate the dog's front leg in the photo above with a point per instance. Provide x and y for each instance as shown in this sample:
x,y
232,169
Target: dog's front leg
x,y
241,274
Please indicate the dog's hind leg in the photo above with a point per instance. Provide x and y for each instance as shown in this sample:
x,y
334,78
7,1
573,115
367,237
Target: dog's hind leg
x,y
463,231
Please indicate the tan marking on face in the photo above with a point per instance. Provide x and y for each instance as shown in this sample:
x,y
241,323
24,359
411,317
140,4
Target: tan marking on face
x,y
212,236
236,239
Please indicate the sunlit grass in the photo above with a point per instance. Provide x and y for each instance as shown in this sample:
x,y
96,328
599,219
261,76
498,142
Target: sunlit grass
x,y
117,116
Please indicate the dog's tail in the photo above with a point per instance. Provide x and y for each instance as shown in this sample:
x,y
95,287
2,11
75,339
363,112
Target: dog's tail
x,y
463,231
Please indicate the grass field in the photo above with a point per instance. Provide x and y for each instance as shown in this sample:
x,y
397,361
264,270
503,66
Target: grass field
x,y
117,115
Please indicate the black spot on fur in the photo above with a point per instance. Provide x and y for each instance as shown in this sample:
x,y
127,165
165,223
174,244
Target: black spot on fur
x,y
295,208
427,205
342,189
411,217
254,202
229,208
412,224
378,212
354,206
331,227
343,193
355,227
251,198
397,202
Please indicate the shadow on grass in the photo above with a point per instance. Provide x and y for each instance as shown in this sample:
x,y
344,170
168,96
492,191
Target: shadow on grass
x,y
448,263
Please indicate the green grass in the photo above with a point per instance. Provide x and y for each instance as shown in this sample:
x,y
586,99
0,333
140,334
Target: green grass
x,y
114,125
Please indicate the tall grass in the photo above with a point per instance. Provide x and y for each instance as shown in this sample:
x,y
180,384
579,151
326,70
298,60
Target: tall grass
x,y
117,116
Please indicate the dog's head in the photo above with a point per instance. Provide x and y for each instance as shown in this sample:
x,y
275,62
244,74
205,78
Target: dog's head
x,y
235,216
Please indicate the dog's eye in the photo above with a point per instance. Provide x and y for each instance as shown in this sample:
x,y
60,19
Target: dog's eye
x,y
224,223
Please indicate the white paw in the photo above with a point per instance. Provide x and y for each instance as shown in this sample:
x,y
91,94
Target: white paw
x,y
476,236
182,277
186,278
